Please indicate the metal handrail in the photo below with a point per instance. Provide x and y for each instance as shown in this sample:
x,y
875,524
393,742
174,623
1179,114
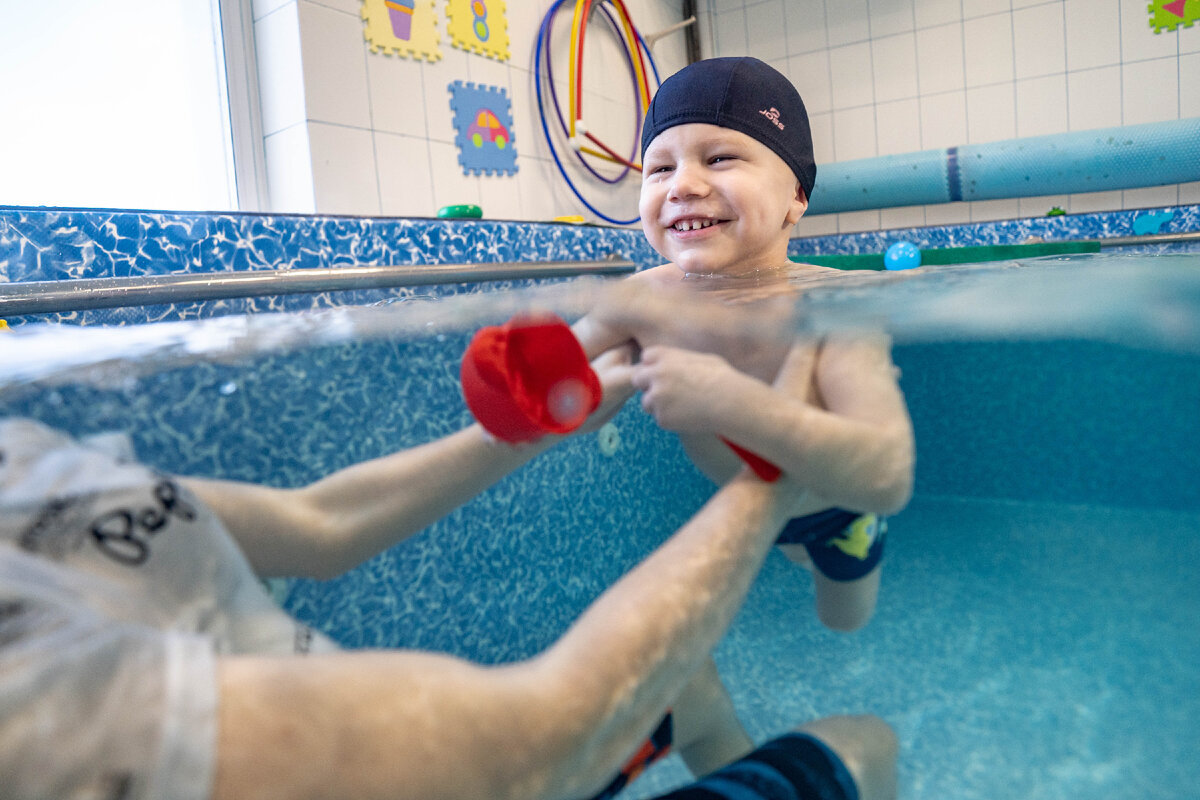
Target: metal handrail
x,y
1150,238
42,297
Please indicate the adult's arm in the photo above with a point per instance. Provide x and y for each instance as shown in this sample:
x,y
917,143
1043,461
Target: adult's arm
x,y
426,726
327,527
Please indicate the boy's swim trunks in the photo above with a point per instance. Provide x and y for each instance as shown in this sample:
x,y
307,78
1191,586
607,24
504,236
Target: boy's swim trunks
x,y
843,545
795,766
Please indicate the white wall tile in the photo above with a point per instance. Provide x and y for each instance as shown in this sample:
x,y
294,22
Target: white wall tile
x,y
933,13
335,66
729,33
940,58
983,8
1094,201
1150,91
765,35
1039,41
822,134
991,113
988,50
846,22
854,134
850,69
1151,197
345,6
1093,34
894,64
501,194
260,8
439,116
1138,39
405,177
943,120
891,219
534,181
1189,88
1094,99
289,171
1042,106
858,221
1189,39
397,90
889,17
809,73
948,214
490,72
804,21
898,126
1189,193
345,176
820,225
280,69
1041,206
451,186
988,210
524,19
527,119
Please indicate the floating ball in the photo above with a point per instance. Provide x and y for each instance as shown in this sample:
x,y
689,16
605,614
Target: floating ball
x,y
902,255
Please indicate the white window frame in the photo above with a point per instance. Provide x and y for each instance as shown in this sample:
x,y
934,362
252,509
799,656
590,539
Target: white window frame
x,y
240,78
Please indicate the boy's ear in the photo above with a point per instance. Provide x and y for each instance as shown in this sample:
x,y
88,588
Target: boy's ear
x,y
799,205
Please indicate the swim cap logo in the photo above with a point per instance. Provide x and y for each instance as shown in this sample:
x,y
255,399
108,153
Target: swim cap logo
x,y
773,115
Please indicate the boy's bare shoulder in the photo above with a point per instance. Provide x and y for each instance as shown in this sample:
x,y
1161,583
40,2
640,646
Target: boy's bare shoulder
x,y
662,274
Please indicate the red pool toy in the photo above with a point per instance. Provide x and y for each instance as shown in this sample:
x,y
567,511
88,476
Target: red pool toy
x,y
529,377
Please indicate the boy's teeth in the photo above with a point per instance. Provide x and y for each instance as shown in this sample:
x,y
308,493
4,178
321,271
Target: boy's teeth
x,y
692,224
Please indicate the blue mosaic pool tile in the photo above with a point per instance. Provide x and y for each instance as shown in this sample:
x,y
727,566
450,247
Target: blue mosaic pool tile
x,y
61,244
1070,227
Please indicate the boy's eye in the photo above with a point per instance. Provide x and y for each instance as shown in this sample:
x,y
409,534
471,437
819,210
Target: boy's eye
x,y
655,170
722,157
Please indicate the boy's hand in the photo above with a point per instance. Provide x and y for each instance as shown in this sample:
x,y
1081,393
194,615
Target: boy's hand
x,y
615,369
685,391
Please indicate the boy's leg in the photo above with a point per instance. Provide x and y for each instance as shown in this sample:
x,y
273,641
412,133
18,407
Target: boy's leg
x,y
708,734
838,758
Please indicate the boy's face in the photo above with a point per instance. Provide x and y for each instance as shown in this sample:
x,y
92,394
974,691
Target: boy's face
x,y
715,200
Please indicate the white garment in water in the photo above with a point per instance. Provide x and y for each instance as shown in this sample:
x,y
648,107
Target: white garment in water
x,y
117,591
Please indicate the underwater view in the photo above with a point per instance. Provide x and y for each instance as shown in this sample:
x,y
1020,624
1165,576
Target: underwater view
x,y
1035,636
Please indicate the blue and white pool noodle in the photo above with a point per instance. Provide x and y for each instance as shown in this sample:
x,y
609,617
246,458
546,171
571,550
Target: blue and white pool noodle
x,y
1129,157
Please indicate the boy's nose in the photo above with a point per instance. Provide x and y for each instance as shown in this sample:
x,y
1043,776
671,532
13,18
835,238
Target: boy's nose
x,y
688,181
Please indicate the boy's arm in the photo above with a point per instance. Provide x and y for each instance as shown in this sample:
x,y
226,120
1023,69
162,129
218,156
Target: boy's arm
x,y
428,726
330,526
626,308
858,451
857,454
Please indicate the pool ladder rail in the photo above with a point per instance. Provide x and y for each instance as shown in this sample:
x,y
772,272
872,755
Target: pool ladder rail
x,y
47,297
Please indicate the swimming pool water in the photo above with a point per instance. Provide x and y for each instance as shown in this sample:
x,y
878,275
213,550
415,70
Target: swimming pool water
x,y
1021,650
1034,637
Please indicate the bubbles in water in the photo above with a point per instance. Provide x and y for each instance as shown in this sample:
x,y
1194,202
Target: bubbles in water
x,y
228,388
609,438
567,402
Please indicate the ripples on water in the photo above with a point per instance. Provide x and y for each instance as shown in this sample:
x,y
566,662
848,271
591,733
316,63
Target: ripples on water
x,y
1150,301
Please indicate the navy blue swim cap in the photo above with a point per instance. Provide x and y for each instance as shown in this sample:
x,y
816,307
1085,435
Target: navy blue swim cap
x,y
744,94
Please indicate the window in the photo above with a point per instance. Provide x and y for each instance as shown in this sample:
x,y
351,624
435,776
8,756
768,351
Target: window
x,y
120,104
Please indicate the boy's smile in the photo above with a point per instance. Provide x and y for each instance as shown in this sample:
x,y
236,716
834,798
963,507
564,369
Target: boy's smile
x,y
715,200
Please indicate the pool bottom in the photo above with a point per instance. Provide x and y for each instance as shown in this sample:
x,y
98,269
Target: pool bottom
x,y
1021,650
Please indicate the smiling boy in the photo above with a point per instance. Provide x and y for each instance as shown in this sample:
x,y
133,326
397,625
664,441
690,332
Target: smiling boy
x,y
728,169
